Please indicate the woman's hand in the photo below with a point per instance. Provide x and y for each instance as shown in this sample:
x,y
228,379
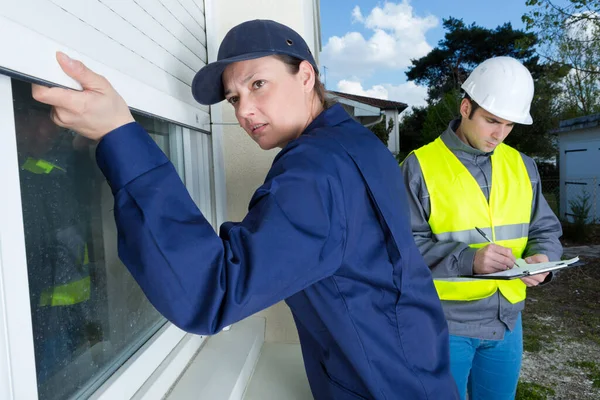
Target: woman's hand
x,y
93,112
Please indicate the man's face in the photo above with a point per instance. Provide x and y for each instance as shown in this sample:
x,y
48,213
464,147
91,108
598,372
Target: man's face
x,y
482,130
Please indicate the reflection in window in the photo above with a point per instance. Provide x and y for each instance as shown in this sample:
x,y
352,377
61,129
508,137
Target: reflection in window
x,y
88,314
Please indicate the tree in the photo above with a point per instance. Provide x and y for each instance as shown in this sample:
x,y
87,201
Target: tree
x,y
410,131
552,22
447,66
582,83
381,131
569,35
440,114
536,140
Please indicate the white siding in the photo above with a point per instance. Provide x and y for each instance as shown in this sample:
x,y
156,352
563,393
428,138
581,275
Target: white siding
x,y
149,49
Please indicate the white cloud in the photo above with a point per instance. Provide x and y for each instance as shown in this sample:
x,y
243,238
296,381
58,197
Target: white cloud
x,y
409,92
357,15
354,87
583,26
398,35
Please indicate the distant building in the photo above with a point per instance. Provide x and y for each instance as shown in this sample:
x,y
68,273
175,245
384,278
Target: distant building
x,y
370,111
579,163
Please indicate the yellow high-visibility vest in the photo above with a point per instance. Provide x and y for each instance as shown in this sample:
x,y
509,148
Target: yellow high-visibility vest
x,y
76,291
68,294
71,293
458,206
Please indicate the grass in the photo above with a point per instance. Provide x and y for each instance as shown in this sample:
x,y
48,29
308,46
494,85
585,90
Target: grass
x,y
534,333
573,296
566,310
592,370
533,391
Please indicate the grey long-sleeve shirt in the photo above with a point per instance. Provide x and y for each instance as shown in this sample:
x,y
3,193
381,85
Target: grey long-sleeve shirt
x,y
486,318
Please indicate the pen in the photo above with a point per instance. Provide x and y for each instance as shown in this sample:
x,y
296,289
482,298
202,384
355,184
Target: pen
x,y
482,233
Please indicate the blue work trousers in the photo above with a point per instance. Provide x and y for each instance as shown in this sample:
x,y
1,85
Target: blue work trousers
x,y
487,369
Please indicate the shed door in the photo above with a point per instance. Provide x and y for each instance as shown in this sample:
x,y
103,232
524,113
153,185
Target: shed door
x,y
582,178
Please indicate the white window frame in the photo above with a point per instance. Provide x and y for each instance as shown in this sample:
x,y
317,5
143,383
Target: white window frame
x,y
170,345
42,64
19,381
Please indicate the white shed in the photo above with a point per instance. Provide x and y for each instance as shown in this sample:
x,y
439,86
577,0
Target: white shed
x,y
579,164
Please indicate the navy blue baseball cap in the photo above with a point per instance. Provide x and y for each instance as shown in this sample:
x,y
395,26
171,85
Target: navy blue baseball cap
x,y
247,41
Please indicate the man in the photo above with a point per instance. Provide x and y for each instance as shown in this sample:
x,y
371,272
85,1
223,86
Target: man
x,y
467,179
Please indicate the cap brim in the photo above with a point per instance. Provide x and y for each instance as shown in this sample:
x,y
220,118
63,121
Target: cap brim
x,y
207,86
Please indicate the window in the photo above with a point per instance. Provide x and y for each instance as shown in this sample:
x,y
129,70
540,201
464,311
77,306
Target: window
x,y
88,314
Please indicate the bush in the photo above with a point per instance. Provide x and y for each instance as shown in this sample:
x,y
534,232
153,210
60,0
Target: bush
x,y
580,208
381,131
579,230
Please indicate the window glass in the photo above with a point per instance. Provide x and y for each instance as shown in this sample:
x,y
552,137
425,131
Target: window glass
x,y
88,314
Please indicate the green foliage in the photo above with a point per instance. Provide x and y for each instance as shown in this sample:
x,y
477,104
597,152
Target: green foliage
x,y
569,34
550,19
533,391
536,139
580,208
381,131
440,114
447,66
580,97
410,130
579,230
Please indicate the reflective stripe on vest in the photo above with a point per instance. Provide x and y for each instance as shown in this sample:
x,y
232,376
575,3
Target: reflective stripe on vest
x,y
70,293
458,205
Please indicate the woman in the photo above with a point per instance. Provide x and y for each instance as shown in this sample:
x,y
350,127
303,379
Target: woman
x,y
328,231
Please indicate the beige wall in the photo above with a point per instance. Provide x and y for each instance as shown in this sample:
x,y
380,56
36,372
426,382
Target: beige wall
x,y
246,165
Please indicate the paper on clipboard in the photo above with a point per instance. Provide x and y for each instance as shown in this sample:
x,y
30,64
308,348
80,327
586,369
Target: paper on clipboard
x,y
523,269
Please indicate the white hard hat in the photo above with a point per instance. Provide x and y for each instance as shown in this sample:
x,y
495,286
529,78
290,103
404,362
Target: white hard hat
x,y
503,87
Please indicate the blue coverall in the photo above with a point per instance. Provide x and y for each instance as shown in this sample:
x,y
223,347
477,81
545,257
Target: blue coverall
x,y
328,231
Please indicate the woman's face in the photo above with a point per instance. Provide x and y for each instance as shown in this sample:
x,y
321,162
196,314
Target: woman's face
x,y
273,105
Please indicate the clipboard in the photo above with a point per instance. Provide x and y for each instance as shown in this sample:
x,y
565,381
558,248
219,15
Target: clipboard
x,y
522,269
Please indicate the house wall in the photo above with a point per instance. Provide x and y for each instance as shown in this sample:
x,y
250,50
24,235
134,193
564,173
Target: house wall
x,y
245,164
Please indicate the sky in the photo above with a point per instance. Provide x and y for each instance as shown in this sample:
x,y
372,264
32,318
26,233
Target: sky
x,y
367,45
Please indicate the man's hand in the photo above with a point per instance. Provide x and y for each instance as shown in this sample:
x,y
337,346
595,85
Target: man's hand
x,y
93,112
535,280
493,258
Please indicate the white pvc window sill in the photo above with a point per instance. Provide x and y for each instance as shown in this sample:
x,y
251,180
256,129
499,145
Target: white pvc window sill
x,y
224,365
